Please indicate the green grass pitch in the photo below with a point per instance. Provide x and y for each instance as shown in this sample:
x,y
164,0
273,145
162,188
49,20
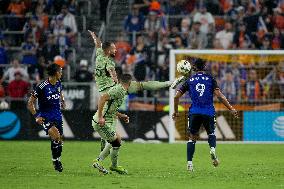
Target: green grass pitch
x,y
28,165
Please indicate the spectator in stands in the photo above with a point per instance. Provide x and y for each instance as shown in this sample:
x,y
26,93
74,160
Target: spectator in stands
x,y
278,18
173,8
70,22
134,21
83,74
142,5
277,41
46,54
205,18
225,36
178,43
57,5
230,87
29,50
3,52
72,7
16,11
251,19
241,38
253,89
18,89
43,21
50,49
197,39
164,47
10,72
275,82
43,4
141,52
154,23
238,70
61,33
123,48
185,29
265,43
31,28
241,14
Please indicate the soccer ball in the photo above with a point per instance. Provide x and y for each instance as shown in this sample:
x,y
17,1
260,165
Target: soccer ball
x,y
183,67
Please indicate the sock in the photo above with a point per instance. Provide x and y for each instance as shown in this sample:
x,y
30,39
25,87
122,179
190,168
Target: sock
x,y
54,149
212,140
114,156
105,152
190,149
60,146
155,85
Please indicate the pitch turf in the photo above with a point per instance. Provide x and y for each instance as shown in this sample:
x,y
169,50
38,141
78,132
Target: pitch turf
x,y
28,165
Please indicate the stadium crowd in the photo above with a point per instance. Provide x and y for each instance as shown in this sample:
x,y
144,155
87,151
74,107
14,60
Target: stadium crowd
x,y
154,27
47,29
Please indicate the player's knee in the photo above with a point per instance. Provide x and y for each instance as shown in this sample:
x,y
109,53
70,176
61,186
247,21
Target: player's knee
x,y
116,143
193,137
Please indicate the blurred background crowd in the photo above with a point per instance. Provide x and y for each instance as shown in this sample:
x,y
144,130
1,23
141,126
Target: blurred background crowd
x,y
34,33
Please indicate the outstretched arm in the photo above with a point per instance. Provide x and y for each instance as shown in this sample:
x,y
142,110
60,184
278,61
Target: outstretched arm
x,y
224,100
97,40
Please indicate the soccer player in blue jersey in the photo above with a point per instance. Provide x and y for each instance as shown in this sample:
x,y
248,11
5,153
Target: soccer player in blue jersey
x,y
50,101
201,88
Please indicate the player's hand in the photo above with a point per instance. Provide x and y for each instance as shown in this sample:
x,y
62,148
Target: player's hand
x,y
102,121
93,35
40,120
175,116
124,117
235,113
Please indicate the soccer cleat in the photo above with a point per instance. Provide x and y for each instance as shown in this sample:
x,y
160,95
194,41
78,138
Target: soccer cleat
x,y
98,165
57,166
214,158
118,169
190,167
177,81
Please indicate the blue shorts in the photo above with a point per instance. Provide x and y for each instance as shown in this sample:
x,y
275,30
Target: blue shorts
x,y
195,121
48,124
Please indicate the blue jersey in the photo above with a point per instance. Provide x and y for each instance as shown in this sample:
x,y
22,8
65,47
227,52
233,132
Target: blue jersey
x,y
201,88
48,96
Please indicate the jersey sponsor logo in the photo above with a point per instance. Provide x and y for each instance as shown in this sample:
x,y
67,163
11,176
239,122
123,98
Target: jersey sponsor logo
x,y
9,125
53,97
199,87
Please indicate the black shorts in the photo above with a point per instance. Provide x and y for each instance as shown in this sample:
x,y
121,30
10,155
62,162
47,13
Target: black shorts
x,y
196,120
48,124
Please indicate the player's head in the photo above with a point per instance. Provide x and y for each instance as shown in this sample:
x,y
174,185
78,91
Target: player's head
x,y
54,70
125,79
109,48
199,64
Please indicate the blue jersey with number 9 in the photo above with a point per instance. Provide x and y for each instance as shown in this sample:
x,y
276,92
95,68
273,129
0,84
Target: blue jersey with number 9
x,y
201,88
